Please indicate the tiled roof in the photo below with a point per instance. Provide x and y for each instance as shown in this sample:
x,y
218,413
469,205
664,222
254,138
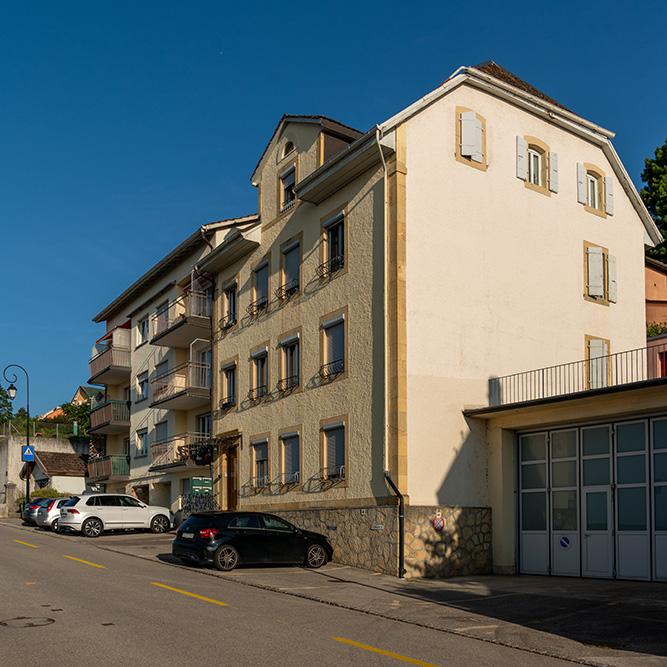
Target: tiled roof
x,y
61,463
500,73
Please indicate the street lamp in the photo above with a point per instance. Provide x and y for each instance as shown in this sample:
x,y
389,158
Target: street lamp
x,y
11,392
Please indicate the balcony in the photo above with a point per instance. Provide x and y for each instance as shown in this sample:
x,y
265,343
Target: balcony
x,y
288,479
332,474
110,366
185,387
258,393
330,267
640,367
186,450
288,384
332,370
289,289
110,469
182,321
258,306
109,416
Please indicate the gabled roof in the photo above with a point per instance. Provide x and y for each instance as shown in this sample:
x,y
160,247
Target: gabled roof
x,y
58,463
326,123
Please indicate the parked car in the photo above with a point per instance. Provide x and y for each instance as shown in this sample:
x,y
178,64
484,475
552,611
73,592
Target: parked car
x,y
30,510
94,513
48,515
226,539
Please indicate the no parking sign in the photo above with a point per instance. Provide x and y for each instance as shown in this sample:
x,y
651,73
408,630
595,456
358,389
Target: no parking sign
x,y
438,521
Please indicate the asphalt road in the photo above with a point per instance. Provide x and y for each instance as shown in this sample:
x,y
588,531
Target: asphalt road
x,y
65,602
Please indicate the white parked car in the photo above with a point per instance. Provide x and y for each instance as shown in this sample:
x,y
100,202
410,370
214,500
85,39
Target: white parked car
x,y
92,514
48,515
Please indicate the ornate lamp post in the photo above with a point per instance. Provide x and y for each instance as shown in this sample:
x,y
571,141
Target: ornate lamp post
x,y
11,392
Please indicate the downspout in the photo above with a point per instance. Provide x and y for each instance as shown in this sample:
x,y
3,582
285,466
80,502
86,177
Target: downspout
x,y
385,452
401,526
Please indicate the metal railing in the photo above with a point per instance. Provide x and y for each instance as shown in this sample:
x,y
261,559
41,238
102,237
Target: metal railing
x,y
112,356
195,447
227,402
16,426
612,370
288,204
258,306
190,375
331,266
286,384
334,473
192,304
197,502
287,290
332,369
258,392
227,321
107,411
260,482
108,466
288,478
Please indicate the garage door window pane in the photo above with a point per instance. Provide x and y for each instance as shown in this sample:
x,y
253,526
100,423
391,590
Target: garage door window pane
x,y
661,508
631,437
660,434
534,476
596,472
564,444
565,510
596,511
534,511
632,509
596,441
564,473
631,469
660,467
533,448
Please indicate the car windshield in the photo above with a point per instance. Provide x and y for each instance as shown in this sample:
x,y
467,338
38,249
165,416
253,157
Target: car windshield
x,y
196,522
72,501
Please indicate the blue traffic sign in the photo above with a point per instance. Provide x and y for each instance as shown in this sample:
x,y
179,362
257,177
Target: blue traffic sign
x,y
565,542
28,453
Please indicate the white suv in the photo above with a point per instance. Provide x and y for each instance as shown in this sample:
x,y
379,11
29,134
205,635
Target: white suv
x,y
92,514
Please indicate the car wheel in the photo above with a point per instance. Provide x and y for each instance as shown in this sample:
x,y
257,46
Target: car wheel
x,y
54,525
92,528
316,556
226,558
159,524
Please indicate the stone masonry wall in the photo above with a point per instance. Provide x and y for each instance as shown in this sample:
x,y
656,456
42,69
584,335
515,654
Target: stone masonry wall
x,y
367,537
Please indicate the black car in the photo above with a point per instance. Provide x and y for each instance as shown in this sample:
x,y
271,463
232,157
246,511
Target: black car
x,y
226,539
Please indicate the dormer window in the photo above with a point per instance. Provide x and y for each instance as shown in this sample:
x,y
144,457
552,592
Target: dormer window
x,y
287,182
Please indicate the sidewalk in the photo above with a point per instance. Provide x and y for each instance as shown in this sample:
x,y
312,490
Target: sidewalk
x,y
593,622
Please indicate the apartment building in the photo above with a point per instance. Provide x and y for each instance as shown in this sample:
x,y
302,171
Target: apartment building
x,y
154,363
404,281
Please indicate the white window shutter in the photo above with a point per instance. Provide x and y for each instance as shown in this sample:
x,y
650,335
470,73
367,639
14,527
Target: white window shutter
x,y
609,195
521,158
611,274
597,354
581,183
595,259
471,136
553,171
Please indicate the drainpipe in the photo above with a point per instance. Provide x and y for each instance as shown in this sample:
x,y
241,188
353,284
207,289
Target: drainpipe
x,y
401,526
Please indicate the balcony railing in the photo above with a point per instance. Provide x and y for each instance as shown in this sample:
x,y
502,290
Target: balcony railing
x,y
258,306
258,393
288,203
111,415
287,290
288,478
332,474
227,402
286,384
260,482
331,266
612,370
117,358
108,467
228,321
190,305
332,369
184,449
185,377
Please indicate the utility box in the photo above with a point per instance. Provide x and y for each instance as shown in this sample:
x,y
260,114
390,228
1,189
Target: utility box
x,y
198,486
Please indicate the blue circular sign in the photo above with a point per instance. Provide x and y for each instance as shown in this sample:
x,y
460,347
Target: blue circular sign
x,y
565,542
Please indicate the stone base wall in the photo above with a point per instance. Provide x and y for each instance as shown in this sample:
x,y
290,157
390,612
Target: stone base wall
x,y
367,537
462,547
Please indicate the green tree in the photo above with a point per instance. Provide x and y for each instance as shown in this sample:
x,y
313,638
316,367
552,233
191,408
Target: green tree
x,y
655,196
79,414
5,406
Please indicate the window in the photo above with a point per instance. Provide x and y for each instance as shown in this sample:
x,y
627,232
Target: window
x,y
260,375
126,447
141,442
204,424
289,147
597,367
260,283
470,138
290,458
595,190
333,347
142,331
260,453
536,165
333,455
662,359
161,431
334,246
228,386
290,363
600,275
229,307
142,386
287,182
291,260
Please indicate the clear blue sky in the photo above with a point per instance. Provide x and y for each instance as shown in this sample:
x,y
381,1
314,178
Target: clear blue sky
x,y
126,125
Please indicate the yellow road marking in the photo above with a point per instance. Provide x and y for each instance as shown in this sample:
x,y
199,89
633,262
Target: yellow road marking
x,y
192,595
84,561
476,627
30,583
387,653
34,546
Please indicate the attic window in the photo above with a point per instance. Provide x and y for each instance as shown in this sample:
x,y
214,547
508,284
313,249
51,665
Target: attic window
x,y
289,147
